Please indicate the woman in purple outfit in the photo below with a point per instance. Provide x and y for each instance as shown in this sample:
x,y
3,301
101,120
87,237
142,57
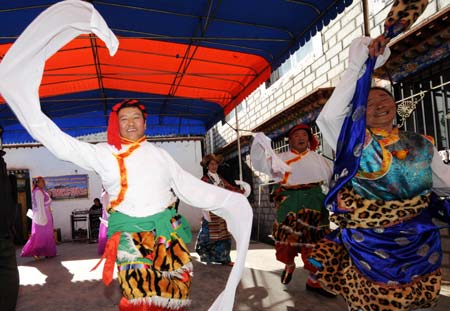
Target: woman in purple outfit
x,y
103,231
41,241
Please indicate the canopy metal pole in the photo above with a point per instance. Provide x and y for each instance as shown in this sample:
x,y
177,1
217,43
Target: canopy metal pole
x,y
238,143
366,18
1,137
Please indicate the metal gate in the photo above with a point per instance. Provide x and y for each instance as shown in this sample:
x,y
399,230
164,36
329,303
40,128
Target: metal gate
x,y
432,112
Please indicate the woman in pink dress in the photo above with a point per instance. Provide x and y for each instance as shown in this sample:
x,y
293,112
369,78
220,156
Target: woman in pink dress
x,y
41,241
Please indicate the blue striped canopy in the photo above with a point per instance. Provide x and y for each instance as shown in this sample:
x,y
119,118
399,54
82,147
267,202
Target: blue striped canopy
x,y
189,62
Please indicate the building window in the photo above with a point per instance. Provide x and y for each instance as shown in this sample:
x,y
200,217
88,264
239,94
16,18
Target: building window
x,y
375,6
239,108
230,116
312,48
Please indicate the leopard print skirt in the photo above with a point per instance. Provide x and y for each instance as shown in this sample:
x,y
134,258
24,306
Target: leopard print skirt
x,y
301,228
340,277
301,218
338,274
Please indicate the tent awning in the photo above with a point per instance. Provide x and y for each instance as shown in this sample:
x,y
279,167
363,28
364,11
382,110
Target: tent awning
x,y
189,62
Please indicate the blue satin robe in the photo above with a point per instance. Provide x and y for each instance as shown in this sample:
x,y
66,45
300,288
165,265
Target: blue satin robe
x,y
412,248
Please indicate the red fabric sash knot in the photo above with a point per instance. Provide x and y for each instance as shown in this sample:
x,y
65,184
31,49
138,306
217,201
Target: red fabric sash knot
x,y
110,255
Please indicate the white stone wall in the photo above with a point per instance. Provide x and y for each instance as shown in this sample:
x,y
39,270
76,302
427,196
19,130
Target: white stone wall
x,y
40,162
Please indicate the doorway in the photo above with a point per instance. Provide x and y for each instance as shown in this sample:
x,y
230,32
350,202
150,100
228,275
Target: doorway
x,y
22,223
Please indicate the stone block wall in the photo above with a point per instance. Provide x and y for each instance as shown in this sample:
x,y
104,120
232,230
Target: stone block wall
x,y
263,210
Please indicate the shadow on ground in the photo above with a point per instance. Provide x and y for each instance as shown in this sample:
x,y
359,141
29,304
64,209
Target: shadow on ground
x,y
65,283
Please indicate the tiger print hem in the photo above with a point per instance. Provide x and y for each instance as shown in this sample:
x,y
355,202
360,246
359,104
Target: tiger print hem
x,y
301,228
337,274
160,302
365,213
145,304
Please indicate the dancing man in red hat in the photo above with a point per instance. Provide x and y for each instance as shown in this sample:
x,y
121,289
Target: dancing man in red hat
x,y
146,236
303,177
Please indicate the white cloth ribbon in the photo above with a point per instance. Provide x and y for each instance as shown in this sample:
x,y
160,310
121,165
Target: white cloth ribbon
x,y
245,186
264,159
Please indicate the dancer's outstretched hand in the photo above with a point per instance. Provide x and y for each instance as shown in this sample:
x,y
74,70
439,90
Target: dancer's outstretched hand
x,y
377,46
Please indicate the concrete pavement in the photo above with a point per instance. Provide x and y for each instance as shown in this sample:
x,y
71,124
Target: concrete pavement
x,y
64,283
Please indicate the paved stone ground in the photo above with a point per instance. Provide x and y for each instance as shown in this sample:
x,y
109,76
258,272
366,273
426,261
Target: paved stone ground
x,y
64,283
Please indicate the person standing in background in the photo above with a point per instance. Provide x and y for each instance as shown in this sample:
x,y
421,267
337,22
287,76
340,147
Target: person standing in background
x,y
214,241
103,231
95,214
42,240
96,207
9,274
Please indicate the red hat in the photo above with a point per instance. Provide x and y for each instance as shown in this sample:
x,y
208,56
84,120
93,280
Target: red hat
x,y
313,143
113,122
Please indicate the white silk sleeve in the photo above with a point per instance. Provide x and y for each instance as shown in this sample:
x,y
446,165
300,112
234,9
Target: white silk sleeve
x,y
231,206
264,159
39,215
22,67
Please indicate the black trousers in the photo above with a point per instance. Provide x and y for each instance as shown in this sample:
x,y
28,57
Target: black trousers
x,y
9,275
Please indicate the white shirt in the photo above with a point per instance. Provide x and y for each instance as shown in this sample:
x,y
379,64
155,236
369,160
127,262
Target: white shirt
x,y
151,171
332,116
311,168
39,214
215,177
